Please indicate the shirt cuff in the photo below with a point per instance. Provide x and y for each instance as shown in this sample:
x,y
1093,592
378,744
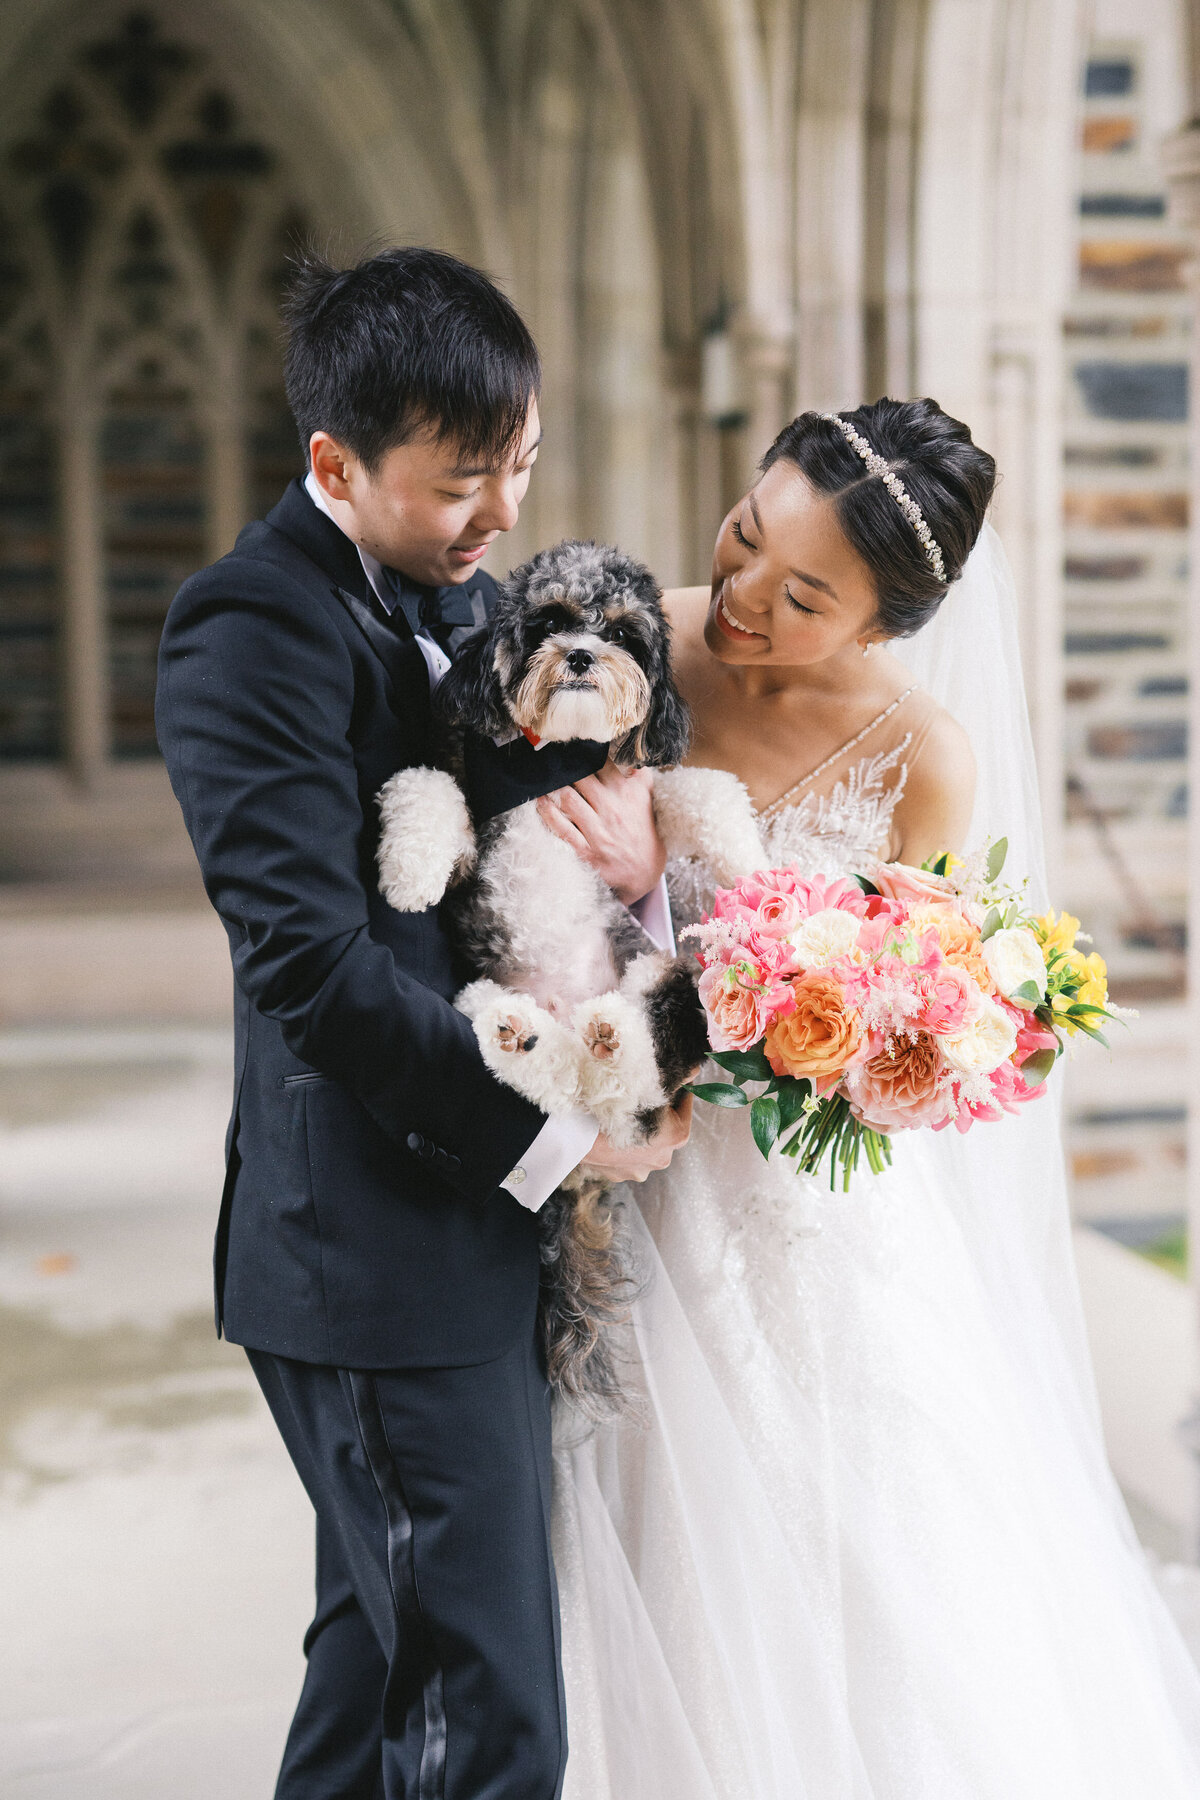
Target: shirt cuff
x,y
653,914
559,1147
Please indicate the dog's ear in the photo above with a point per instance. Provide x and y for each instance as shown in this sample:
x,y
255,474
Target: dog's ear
x,y
469,693
664,734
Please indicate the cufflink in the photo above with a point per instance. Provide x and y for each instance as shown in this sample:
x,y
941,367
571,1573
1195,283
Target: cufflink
x,y
517,1176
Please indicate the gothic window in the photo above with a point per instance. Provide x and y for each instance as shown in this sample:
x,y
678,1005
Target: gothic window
x,y
142,417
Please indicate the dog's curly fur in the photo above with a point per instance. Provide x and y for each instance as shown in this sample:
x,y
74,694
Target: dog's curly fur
x,y
575,1007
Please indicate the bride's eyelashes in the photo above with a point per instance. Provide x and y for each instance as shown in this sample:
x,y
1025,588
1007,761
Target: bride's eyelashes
x,y
740,535
812,611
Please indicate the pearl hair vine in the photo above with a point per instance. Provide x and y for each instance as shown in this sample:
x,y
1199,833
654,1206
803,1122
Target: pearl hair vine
x,y
878,465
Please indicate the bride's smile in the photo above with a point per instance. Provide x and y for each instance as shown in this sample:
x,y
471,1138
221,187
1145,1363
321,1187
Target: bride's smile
x,y
787,587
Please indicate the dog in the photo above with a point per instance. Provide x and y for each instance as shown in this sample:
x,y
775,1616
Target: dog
x,y
575,1006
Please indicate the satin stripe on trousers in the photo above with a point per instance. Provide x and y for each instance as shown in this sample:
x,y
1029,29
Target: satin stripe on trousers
x,y
433,1658
420,1665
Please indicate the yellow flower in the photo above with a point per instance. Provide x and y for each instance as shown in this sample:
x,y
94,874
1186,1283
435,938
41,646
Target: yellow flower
x,y
1056,934
1091,974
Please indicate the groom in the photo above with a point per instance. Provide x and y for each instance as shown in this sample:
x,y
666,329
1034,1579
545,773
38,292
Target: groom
x,y
377,1246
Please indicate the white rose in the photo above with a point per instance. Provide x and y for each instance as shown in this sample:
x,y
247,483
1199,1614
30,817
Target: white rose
x,y
824,937
983,1045
1014,957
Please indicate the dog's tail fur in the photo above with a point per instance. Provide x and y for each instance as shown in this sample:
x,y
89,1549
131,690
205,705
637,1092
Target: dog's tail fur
x,y
588,1287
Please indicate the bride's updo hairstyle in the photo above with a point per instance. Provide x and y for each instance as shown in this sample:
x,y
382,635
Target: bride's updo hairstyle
x,y
948,476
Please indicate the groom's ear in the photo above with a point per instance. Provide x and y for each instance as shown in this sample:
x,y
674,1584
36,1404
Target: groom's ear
x,y
469,693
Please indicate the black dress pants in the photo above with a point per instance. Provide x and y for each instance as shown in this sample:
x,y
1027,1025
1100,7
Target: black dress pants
x,y
433,1657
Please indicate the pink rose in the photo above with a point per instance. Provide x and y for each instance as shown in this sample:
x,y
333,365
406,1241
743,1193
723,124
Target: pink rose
x,y
744,900
736,1014
897,881
950,999
902,1087
777,914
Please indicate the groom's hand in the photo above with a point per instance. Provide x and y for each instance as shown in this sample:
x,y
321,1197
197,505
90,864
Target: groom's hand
x,y
608,820
635,1163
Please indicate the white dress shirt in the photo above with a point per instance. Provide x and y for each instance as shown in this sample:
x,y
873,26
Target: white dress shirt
x,y
564,1140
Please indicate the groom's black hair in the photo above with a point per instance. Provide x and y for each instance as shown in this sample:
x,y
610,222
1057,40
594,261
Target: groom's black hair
x,y
407,341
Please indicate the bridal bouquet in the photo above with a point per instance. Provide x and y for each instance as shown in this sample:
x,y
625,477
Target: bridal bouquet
x,y
916,997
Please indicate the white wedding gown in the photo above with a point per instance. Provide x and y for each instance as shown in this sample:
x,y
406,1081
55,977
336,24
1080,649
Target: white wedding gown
x,y
862,1543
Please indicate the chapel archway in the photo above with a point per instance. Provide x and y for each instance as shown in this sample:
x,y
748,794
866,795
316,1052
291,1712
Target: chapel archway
x,y
145,234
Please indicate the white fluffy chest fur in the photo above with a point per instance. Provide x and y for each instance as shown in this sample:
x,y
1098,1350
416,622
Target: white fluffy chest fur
x,y
554,910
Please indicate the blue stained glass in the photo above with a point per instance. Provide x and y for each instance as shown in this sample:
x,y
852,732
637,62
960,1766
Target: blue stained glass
x,y
1133,391
1109,78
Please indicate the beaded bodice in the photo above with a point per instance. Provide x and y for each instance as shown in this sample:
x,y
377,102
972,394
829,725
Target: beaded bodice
x,y
831,833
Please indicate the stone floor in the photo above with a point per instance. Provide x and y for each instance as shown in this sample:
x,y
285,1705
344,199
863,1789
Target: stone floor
x,y
155,1545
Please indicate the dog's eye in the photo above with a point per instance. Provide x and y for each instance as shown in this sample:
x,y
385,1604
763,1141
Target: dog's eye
x,y
554,618
618,634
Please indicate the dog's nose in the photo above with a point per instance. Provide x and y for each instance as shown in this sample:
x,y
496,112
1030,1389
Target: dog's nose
x,y
579,661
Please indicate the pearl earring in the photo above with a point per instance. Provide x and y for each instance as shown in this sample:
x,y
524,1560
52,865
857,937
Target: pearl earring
x,y
866,649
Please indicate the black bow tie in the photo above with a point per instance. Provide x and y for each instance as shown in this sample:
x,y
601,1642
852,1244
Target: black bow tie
x,y
447,615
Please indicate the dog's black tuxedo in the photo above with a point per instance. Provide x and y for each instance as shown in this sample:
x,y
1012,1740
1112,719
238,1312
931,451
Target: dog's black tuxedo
x,y
384,1284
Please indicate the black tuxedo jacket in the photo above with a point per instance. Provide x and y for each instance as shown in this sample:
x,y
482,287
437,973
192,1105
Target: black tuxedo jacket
x,y
361,1224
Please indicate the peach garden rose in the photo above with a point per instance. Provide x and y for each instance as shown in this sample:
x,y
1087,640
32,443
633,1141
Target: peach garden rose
x,y
736,1013
819,1037
901,1088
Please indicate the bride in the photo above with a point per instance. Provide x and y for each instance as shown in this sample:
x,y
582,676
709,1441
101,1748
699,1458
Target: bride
x,y
860,1542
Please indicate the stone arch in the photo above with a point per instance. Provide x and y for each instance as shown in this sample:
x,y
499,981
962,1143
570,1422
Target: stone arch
x,y
159,171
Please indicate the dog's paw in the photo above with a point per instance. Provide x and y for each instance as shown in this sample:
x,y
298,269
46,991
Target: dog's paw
x,y
425,837
526,1047
707,813
515,1036
620,1072
601,1039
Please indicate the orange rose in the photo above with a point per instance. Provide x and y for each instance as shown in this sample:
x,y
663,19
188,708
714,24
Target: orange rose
x,y
820,1037
959,941
902,1087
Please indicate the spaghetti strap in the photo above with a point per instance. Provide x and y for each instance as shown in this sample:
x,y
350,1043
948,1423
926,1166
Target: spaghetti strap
x,y
786,798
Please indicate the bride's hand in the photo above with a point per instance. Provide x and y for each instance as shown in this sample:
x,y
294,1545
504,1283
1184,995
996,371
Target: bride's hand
x,y
608,820
639,1160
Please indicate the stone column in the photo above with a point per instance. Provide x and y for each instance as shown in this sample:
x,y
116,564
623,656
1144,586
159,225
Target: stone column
x,y
227,480
1181,157
85,635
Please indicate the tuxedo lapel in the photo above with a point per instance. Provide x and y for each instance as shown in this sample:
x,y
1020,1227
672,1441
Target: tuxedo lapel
x,y
320,539
336,557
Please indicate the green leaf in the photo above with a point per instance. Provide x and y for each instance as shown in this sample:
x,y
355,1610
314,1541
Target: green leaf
x,y
1090,1031
764,1121
1078,1009
792,1096
868,887
996,856
942,864
719,1093
991,924
747,1065
1035,1068
1028,994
